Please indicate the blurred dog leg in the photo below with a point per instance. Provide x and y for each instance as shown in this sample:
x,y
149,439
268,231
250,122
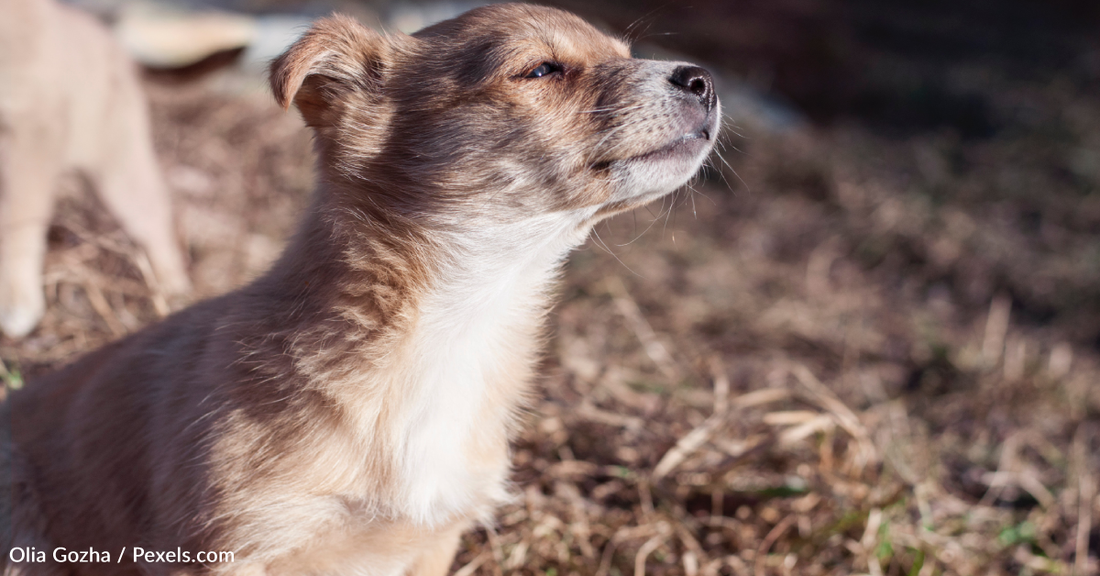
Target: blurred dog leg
x,y
437,561
111,143
131,185
29,166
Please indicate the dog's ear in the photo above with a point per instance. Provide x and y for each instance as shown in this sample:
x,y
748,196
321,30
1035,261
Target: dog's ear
x,y
336,56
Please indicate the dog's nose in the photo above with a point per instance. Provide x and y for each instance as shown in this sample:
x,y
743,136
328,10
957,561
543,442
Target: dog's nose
x,y
697,81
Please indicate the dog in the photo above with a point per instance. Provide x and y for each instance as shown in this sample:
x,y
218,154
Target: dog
x,y
349,412
70,100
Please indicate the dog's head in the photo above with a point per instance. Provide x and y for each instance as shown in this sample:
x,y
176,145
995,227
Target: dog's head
x,y
506,111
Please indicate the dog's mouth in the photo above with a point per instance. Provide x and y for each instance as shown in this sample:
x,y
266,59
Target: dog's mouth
x,y
686,145
678,154
682,148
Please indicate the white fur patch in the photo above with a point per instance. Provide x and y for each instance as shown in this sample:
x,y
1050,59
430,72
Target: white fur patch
x,y
474,329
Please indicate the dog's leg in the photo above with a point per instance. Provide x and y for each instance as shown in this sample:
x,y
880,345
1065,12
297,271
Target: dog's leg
x,y
131,185
29,167
437,560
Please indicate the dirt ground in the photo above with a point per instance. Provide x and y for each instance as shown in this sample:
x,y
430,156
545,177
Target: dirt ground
x,y
856,347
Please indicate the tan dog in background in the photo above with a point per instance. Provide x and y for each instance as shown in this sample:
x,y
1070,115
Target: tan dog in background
x,y
350,411
70,99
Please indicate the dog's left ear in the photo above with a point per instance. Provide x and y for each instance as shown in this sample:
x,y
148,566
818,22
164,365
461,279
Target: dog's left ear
x,y
336,56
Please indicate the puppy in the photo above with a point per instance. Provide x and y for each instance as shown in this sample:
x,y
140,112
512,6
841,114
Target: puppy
x,y
349,412
70,99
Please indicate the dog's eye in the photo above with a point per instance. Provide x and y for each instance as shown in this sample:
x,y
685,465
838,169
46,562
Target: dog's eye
x,y
544,69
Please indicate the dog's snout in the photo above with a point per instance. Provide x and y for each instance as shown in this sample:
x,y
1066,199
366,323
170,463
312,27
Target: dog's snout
x,y
697,81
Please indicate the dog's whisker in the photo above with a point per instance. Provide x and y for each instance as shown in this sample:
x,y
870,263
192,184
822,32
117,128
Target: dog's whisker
x,y
616,110
600,242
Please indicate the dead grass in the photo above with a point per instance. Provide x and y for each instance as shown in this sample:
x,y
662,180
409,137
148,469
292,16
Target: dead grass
x,y
814,375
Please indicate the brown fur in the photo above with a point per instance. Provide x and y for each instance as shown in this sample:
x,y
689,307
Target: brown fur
x,y
295,421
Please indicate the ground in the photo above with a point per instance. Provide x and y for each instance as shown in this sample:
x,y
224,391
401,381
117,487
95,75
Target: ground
x,y
851,346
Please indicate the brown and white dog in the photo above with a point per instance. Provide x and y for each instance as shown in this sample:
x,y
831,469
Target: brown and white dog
x,y
70,99
349,412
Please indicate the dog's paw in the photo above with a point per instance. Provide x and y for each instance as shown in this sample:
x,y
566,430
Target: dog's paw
x,y
168,265
173,281
21,307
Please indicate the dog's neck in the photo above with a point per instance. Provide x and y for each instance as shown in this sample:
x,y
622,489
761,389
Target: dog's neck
x,y
432,327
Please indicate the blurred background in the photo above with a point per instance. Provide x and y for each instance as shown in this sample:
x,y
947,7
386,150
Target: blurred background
x,y
865,341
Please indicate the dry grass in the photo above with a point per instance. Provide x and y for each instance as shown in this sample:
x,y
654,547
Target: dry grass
x,y
767,381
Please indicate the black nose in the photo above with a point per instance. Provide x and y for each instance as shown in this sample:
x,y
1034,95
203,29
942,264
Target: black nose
x,y
697,81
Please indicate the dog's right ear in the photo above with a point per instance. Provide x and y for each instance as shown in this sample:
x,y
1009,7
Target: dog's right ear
x,y
336,56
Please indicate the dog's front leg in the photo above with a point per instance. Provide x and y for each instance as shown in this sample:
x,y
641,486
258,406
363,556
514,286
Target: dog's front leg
x,y
130,183
436,560
29,168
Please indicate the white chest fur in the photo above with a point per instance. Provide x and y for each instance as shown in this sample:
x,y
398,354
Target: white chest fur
x,y
469,361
